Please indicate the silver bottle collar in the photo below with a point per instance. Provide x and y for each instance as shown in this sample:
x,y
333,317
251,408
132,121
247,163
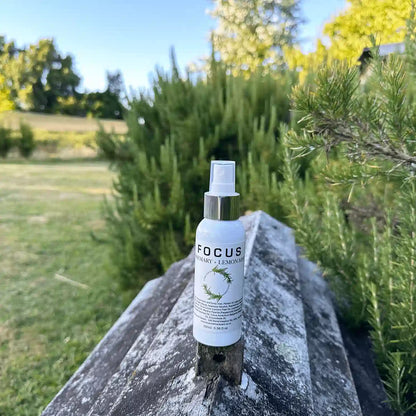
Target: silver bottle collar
x,y
218,207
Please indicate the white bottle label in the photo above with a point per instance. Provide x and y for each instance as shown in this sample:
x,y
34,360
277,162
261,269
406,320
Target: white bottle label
x,y
219,280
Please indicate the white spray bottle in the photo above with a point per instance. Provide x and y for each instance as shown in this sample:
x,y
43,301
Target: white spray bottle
x,y
219,262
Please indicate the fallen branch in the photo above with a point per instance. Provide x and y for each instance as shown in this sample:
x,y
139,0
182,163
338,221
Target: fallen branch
x,y
65,279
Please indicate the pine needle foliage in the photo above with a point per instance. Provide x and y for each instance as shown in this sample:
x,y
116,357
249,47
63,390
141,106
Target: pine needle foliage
x,y
357,217
163,163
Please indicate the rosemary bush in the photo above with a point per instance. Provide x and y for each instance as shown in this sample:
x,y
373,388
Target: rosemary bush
x,y
163,162
357,216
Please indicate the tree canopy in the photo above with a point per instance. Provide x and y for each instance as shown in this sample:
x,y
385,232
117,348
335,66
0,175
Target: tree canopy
x,y
349,32
39,78
6,103
251,33
37,75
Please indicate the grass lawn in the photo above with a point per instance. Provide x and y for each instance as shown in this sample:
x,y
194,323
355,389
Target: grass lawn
x,y
48,324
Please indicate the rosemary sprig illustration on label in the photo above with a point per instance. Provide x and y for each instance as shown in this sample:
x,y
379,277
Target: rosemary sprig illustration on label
x,y
211,295
223,272
227,278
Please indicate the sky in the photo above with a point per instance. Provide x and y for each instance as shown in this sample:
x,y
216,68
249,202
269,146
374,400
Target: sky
x,y
131,35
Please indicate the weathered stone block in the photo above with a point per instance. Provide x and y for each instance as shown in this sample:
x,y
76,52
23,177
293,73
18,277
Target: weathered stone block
x,y
332,383
81,392
146,364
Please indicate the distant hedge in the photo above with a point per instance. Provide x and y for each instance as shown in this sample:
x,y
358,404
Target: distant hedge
x,y
5,141
26,141
23,140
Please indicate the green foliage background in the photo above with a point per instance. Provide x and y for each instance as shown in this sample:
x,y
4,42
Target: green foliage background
x,y
163,162
342,178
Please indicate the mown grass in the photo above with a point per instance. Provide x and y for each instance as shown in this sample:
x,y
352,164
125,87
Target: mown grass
x,y
48,215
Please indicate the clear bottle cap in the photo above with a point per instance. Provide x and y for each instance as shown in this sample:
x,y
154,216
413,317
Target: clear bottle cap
x,y
222,178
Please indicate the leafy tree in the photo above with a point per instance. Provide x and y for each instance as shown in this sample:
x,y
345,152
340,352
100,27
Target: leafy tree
x,y
6,104
101,105
37,75
39,78
251,33
61,81
106,104
349,32
115,83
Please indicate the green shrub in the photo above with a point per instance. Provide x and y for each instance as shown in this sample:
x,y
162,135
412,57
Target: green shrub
x,y
357,218
26,142
5,141
163,163
56,140
107,144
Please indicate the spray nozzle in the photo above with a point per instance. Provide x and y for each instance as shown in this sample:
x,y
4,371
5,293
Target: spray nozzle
x,y
222,179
